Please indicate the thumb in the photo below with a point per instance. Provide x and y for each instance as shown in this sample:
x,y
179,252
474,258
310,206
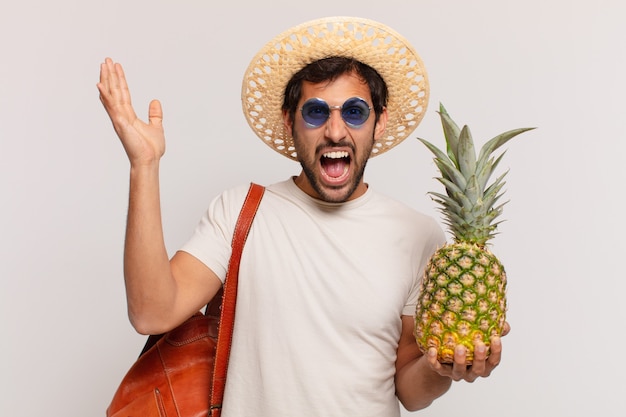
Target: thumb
x,y
155,114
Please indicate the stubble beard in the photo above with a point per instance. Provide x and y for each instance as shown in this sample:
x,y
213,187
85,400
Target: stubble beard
x,y
310,172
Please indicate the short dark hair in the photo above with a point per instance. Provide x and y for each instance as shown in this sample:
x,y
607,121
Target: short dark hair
x,y
329,69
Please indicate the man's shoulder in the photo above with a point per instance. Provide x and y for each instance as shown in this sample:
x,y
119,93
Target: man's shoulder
x,y
397,205
405,216
234,196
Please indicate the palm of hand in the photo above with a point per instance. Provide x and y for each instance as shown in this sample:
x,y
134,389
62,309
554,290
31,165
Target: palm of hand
x,y
143,142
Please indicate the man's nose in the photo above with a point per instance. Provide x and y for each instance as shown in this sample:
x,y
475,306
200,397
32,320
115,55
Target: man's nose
x,y
335,125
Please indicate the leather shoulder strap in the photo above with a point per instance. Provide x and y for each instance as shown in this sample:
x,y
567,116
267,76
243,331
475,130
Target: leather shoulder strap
x,y
227,316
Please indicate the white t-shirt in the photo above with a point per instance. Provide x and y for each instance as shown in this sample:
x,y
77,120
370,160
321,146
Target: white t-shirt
x,y
322,288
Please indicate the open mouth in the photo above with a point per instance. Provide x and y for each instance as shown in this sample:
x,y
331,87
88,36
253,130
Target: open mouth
x,y
335,165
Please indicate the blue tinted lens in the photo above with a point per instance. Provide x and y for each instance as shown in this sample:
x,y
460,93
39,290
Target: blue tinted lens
x,y
315,112
355,111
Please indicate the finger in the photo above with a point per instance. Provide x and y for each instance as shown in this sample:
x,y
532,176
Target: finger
x,y
109,79
121,84
506,328
155,114
114,80
103,85
435,365
495,354
479,367
431,355
459,367
108,85
111,74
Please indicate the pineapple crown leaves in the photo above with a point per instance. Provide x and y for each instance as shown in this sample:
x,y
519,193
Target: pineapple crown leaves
x,y
469,203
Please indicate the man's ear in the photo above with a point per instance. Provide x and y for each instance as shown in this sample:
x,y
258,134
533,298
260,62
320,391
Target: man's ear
x,y
381,125
287,122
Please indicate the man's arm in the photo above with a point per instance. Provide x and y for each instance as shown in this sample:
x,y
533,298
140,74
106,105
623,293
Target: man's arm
x,y
160,294
420,379
417,384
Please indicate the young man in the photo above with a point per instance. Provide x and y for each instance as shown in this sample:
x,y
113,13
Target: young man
x,y
331,269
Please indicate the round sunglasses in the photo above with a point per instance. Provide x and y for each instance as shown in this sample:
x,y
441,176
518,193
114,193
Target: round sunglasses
x,y
354,111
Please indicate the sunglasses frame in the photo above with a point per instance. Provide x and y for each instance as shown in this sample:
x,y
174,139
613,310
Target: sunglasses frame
x,y
352,103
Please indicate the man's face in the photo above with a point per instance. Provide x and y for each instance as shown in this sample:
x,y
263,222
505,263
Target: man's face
x,y
333,156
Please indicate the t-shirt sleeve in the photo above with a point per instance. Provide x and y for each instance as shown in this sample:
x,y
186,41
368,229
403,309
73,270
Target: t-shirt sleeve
x,y
434,238
210,241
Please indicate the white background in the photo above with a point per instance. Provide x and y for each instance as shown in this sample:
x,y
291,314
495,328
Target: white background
x,y
558,65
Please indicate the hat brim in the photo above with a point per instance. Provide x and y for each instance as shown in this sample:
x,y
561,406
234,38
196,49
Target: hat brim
x,y
367,41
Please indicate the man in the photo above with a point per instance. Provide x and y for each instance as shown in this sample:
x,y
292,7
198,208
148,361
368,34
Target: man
x,y
330,273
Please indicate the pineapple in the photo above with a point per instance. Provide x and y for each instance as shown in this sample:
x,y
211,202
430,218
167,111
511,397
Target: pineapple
x,y
463,298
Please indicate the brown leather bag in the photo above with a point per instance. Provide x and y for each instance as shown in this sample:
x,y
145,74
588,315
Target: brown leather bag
x,y
183,372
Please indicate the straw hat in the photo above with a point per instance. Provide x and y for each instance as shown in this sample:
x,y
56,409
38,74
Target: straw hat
x,y
364,40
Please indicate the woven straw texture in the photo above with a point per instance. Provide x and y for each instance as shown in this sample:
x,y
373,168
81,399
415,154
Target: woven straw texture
x,y
365,40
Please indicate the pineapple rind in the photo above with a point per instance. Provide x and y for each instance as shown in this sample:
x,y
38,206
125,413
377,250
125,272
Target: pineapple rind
x,y
467,307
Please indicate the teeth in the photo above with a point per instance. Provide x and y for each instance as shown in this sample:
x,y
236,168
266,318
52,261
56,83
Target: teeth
x,y
336,155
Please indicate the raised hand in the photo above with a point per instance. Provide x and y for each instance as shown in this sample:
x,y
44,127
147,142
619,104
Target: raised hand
x,y
144,142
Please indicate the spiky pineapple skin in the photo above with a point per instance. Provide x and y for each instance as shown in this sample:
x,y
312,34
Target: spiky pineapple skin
x,y
462,300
